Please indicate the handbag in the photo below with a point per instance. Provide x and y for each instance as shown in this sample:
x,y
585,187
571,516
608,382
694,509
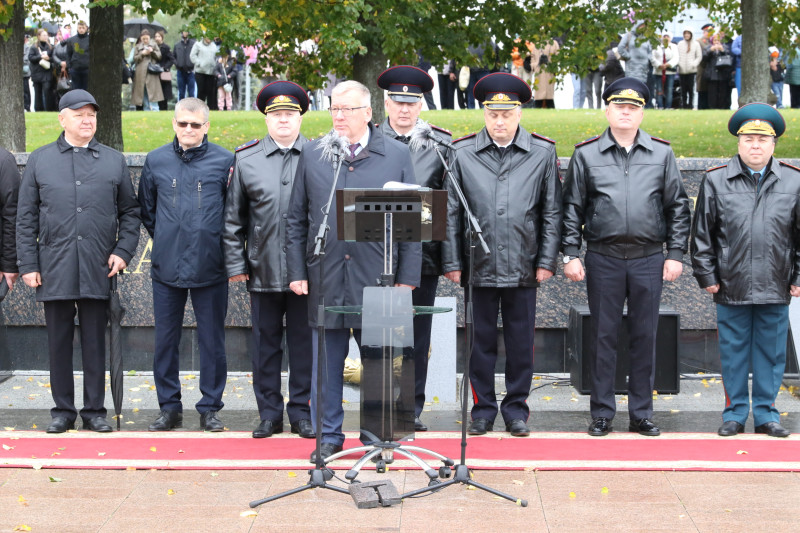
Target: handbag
x,y
64,84
165,76
45,64
154,68
227,87
463,78
723,61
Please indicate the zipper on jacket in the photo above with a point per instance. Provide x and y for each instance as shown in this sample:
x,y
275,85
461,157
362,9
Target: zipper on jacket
x,y
174,191
626,160
199,194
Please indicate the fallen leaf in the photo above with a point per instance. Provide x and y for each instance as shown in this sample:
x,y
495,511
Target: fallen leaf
x,y
170,492
572,495
37,467
181,451
292,474
101,454
190,376
135,409
741,452
6,447
54,479
131,468
470,487
214,474
8,428
517,482
604,490
62,449
784,414
697,394
673,411
34,426
134,389
136,400
131,372
189,388
547,398
22,500
152,448
18,387
30,379
22,527
130,422
248,514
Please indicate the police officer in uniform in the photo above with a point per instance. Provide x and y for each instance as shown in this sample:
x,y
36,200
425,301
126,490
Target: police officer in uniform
x,y
746,253
624,196
256,210
510,180
405,86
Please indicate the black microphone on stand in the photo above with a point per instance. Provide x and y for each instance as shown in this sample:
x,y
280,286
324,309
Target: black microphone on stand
x,y
334,148
422,137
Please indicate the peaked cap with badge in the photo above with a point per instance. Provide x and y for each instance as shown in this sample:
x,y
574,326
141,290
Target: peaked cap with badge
x,y
501,91
282,95
757,119
405,83
627,91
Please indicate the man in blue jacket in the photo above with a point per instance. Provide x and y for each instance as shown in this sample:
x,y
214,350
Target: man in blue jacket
x,y
182,192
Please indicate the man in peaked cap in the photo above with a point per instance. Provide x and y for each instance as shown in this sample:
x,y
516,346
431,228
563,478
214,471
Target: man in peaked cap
x,y
510,180
405,86
624,196
255,251
745,253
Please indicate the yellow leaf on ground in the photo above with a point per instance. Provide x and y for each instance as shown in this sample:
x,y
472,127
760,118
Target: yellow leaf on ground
x,y
248,514
697,394
18,387
22,499
741,452
573,495
170,492
547,398
30,379
292,474
34,426
604,490
784,414
190,376
152,448
135,409
214,474
22,527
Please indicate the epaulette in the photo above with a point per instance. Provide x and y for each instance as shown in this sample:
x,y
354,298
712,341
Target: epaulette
x,y
465,137
784,163
587,141
717,168
542,137
437,128
660,140
247,145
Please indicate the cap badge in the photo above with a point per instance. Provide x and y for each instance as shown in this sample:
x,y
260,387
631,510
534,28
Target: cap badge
x,y
500,97
405,88
282,98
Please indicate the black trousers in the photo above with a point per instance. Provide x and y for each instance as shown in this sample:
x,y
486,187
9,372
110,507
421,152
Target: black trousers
x,y
207,89
794,96
719,94
268,310
447,89
687,90
80,79
60,321
609,282
43,95
518,305
424,295
26,93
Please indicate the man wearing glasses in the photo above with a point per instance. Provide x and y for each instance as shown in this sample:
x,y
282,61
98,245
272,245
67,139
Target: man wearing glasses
x,y
405,86
255,252
369,160
182,197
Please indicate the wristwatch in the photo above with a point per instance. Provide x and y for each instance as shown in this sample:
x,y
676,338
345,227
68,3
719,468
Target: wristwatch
x,y
567,258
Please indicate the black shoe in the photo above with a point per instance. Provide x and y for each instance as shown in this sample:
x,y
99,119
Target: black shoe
x,y
326,449
418,425
210,422
267,428
599,427
60,424
518,428
167,420
303,428
480,426
645,427
773,429
730,428
98,424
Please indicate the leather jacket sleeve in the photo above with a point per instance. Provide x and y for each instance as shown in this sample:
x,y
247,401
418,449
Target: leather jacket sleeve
x,y
551,219
704,257
574,205
236,214
676,210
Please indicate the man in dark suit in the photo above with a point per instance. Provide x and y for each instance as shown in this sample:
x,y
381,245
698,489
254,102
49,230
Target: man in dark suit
x,y
371,160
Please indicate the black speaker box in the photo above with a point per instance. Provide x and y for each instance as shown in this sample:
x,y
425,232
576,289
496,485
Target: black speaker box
x,y
667,380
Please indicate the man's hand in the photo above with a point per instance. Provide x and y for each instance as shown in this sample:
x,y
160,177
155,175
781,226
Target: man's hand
x,y
404,285
299,287
239,277
32,279
454,276
672,269
543,274
115,263
574,270
794,290
452,76
714,289
11,278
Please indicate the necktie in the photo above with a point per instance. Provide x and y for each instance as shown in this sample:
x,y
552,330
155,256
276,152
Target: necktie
x,y
757,176
404,139
286,171
501,150
353,149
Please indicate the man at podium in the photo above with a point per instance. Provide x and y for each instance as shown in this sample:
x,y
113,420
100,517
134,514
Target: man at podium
x,y
367,159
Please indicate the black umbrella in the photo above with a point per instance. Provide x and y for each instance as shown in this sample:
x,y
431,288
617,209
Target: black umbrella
x,y
134,27
115,314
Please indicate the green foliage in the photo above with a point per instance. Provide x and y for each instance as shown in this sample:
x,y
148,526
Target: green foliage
x,y
692,133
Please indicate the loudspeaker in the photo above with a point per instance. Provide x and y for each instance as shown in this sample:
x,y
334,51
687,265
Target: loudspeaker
x,y
667,379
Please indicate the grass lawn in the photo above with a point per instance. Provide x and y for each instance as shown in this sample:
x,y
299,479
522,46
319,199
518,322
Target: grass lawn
x,y
693,133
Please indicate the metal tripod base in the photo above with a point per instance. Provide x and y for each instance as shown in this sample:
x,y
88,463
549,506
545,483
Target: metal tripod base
x,y
318,478
463,476
390,448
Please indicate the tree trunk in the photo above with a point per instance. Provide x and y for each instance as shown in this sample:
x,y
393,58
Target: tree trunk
x,y
755,60
12,126
105,72
366,70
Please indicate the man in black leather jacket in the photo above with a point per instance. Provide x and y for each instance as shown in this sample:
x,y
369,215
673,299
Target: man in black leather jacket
x,y
406,86
624,196
255,251
510,179
745,241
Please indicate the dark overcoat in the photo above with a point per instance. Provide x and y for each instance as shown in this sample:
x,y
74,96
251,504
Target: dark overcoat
x,y
349,266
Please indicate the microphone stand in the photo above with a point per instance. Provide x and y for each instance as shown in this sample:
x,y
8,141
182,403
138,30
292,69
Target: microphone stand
x,y
320,474
462,473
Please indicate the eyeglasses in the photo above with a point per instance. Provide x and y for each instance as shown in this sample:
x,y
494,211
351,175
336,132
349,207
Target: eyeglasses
x,y
346,111
194,125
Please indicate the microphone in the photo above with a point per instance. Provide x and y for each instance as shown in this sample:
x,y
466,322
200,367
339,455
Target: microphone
x,y
334,146
423,137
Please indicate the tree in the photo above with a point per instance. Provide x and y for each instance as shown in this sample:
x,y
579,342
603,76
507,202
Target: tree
x,y
105,67
12,126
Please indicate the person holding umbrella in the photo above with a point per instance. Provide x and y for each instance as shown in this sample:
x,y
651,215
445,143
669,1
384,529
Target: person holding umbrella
x,y
77,226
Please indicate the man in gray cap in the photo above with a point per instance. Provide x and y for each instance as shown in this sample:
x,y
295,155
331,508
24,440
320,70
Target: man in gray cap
x,y
77,226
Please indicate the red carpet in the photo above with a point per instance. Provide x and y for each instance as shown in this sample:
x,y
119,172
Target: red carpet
x,y
543,451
